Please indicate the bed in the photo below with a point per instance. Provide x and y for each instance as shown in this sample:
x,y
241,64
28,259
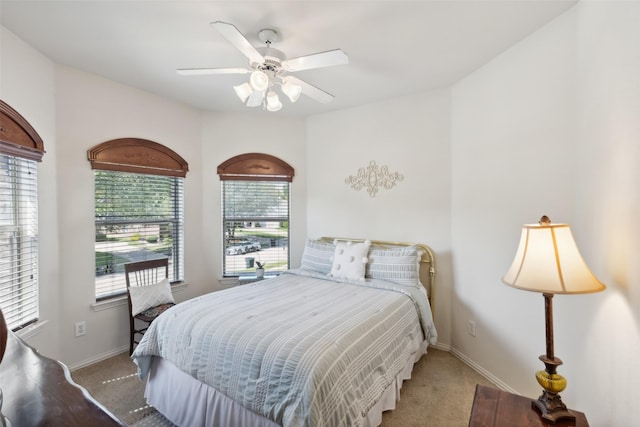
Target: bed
x,y
326,344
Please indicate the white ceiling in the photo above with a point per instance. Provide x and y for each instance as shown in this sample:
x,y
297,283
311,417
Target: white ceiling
x,y
395,47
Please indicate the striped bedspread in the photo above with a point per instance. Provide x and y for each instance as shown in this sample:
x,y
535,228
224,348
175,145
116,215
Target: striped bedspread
x,y
297,349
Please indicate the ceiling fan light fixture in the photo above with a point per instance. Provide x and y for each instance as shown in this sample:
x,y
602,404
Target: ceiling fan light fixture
x,y
292,90
243,91
259,80
266,68
273,102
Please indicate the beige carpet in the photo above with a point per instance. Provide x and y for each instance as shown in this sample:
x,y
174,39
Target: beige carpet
x,y
439,393
114,383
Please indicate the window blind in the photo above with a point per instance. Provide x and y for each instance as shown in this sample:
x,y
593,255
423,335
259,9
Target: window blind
x,y
255,217
137,217
18,241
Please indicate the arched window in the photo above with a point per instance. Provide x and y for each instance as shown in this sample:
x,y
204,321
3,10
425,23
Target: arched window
x,y
255,214
20,148
139,209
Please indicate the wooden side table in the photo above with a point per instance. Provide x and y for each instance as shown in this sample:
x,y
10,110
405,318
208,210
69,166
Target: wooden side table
x,y
497,408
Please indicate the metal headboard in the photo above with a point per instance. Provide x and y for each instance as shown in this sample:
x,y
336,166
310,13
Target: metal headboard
x,y
427,263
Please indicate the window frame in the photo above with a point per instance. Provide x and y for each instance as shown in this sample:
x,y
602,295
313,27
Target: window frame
x,y
255,167
154,229
147,158
21,144
253,236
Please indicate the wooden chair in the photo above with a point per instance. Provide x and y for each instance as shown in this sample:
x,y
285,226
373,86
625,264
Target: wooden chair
x,y
145,273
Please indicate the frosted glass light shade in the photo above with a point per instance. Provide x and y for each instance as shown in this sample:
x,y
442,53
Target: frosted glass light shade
x,y
548,261
273,102
292,91
259,81
243,91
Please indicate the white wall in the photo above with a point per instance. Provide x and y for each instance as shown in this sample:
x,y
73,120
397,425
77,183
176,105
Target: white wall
x,y
608,200
552,127
227,135
409,135
27,85
91,110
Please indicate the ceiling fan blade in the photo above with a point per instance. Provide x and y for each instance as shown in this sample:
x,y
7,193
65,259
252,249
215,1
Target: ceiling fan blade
x,y
255,100
209,71
312,91
235,37
316,60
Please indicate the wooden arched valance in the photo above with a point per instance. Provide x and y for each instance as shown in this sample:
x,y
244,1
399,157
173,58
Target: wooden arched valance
x,y
17,137
137,156
255,167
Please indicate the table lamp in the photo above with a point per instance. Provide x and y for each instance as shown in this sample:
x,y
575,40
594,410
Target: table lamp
x,y
548,261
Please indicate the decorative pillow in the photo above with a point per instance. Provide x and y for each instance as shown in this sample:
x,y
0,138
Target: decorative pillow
x,y
145,297
397,264
317,256
350,260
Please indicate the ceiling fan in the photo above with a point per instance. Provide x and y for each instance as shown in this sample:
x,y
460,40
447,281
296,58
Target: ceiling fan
x,y
268,68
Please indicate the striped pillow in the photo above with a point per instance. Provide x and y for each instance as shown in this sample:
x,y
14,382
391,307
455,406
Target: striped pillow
x,y
317,256
397,264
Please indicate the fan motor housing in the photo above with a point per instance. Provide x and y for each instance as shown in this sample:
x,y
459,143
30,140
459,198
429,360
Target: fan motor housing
x,y
272,59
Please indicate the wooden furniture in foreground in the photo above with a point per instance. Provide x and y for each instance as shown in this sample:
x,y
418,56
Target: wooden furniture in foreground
x,y
497,408
39,391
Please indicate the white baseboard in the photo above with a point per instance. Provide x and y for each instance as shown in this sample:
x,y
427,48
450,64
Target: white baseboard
x,y
98,358
443,347
479,369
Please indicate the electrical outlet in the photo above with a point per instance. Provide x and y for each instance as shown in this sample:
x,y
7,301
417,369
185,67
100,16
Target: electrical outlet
x,y
81,328
472,328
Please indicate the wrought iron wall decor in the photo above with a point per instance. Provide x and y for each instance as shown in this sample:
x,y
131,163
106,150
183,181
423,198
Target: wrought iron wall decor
x,y
373,177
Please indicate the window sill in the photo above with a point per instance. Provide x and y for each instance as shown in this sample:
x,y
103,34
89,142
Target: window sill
x,y
110,303
227,283
31,330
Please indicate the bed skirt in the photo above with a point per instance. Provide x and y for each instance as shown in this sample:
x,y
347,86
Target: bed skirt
x,y
193,403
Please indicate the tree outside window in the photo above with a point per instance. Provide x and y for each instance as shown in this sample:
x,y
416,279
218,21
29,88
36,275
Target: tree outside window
x,y
255,214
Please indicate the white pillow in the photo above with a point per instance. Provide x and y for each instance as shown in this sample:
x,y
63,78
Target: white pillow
x,y
350,260
145,297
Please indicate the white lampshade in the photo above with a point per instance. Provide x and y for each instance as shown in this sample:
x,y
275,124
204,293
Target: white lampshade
x,y
273,102
259,81
292,90
243,91
548,261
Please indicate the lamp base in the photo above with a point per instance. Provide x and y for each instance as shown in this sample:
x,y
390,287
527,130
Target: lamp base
x,y
549,404
552,408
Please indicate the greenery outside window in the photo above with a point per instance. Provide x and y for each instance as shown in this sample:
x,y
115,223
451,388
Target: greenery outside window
x,y
256,227
139,210
137,217
255,214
